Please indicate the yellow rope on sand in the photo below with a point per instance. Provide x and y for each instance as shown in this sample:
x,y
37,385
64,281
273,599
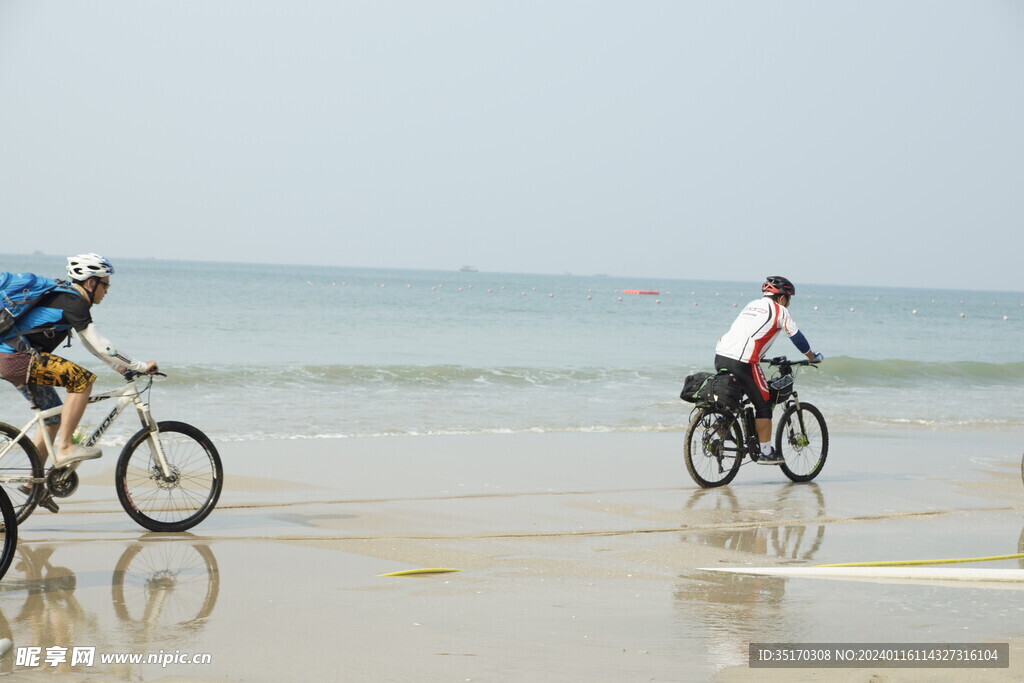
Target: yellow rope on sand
x,y
908,563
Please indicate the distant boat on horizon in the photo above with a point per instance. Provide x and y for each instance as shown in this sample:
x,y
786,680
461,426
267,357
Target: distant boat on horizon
x,y
469,269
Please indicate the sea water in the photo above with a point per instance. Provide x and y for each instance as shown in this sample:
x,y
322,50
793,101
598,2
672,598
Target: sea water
x,y
256,351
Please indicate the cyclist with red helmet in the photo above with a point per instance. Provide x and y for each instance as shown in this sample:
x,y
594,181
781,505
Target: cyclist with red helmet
x,y
741,349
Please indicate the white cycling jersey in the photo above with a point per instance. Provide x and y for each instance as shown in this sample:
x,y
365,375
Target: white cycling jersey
x,y
755,329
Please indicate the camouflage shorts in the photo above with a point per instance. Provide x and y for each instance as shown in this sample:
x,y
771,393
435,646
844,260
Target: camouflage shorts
x,y
49,370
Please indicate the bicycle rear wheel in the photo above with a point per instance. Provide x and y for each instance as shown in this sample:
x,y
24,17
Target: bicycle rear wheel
x,y
802,439
9,533
181,501
21,462
714,448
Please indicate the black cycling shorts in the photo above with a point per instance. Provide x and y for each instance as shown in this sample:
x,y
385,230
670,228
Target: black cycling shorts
x,y
754,384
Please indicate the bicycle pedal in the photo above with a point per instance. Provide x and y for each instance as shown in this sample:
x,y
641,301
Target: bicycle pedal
x,y
50,504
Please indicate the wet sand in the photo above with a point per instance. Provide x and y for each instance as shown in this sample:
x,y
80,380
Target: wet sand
x,y
582,557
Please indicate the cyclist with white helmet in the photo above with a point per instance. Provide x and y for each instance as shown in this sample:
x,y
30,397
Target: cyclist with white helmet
x,y
27,360
741,349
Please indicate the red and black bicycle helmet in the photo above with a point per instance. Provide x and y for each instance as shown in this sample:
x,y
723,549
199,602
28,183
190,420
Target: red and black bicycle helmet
x,y
776,284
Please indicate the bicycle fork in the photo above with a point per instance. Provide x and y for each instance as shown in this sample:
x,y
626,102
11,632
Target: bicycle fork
x,y
157,449
798,440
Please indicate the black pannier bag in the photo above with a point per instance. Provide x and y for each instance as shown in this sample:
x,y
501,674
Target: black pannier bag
x,y
721,391
692,385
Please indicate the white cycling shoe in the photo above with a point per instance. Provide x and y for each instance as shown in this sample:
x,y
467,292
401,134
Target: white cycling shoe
x,y
77,454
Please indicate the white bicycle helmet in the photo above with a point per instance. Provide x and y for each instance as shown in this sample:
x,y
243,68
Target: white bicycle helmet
x,y
85,266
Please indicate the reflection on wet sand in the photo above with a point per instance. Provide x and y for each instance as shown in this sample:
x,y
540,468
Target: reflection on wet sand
x,y
50,615
784,523
786,526
795,540
161,589
733,611
164,584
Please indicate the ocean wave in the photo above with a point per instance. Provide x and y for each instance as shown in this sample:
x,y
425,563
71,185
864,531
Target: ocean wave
x,y
410,375
858,371
839,371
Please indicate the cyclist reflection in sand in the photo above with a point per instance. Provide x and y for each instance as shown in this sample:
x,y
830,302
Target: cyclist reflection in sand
x,y
160,590
51,616
732,526
732,609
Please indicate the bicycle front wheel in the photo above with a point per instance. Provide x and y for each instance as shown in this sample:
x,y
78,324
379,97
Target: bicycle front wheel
x,y
20,463
802,439
9,532
174,503
714,448
165,584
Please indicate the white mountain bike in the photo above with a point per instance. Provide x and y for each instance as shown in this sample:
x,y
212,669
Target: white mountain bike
x,y
168,477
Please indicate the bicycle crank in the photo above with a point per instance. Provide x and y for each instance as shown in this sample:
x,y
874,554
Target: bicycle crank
x,y
62,482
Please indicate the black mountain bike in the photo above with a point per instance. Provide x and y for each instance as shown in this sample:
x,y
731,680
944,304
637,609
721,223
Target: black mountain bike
x,y
718,439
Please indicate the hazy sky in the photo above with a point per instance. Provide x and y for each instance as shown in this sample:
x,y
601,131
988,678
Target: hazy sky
x,y
871,142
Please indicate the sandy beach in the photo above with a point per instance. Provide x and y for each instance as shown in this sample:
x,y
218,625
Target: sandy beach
x,y
581,557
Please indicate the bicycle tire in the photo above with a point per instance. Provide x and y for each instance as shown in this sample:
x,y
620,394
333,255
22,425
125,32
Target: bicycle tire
x,y
9,542
714,448
21,461
805,451
156,504
182,576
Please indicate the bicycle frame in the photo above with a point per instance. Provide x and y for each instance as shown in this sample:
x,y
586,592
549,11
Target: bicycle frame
x,y
126,395
748,428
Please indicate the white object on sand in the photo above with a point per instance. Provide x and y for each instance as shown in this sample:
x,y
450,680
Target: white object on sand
x,y
1012,579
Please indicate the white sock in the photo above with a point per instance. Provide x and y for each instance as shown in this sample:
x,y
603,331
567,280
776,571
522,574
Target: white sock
x,y
766,447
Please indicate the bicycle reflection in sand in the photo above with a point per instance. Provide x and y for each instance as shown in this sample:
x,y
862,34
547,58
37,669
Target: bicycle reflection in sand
x,y
732,526
783,523
732,610
162,591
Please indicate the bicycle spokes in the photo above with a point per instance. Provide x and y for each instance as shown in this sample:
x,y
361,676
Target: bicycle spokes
x,y
713,448
803,442
178,494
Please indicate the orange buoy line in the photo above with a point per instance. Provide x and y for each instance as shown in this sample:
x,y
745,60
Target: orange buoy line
x,y
639,291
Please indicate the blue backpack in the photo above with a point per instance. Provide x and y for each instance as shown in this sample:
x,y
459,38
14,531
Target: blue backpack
x,y
19,292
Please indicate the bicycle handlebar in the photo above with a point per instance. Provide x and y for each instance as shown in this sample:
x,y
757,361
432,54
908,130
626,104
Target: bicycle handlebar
x,y
129,375
782,361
